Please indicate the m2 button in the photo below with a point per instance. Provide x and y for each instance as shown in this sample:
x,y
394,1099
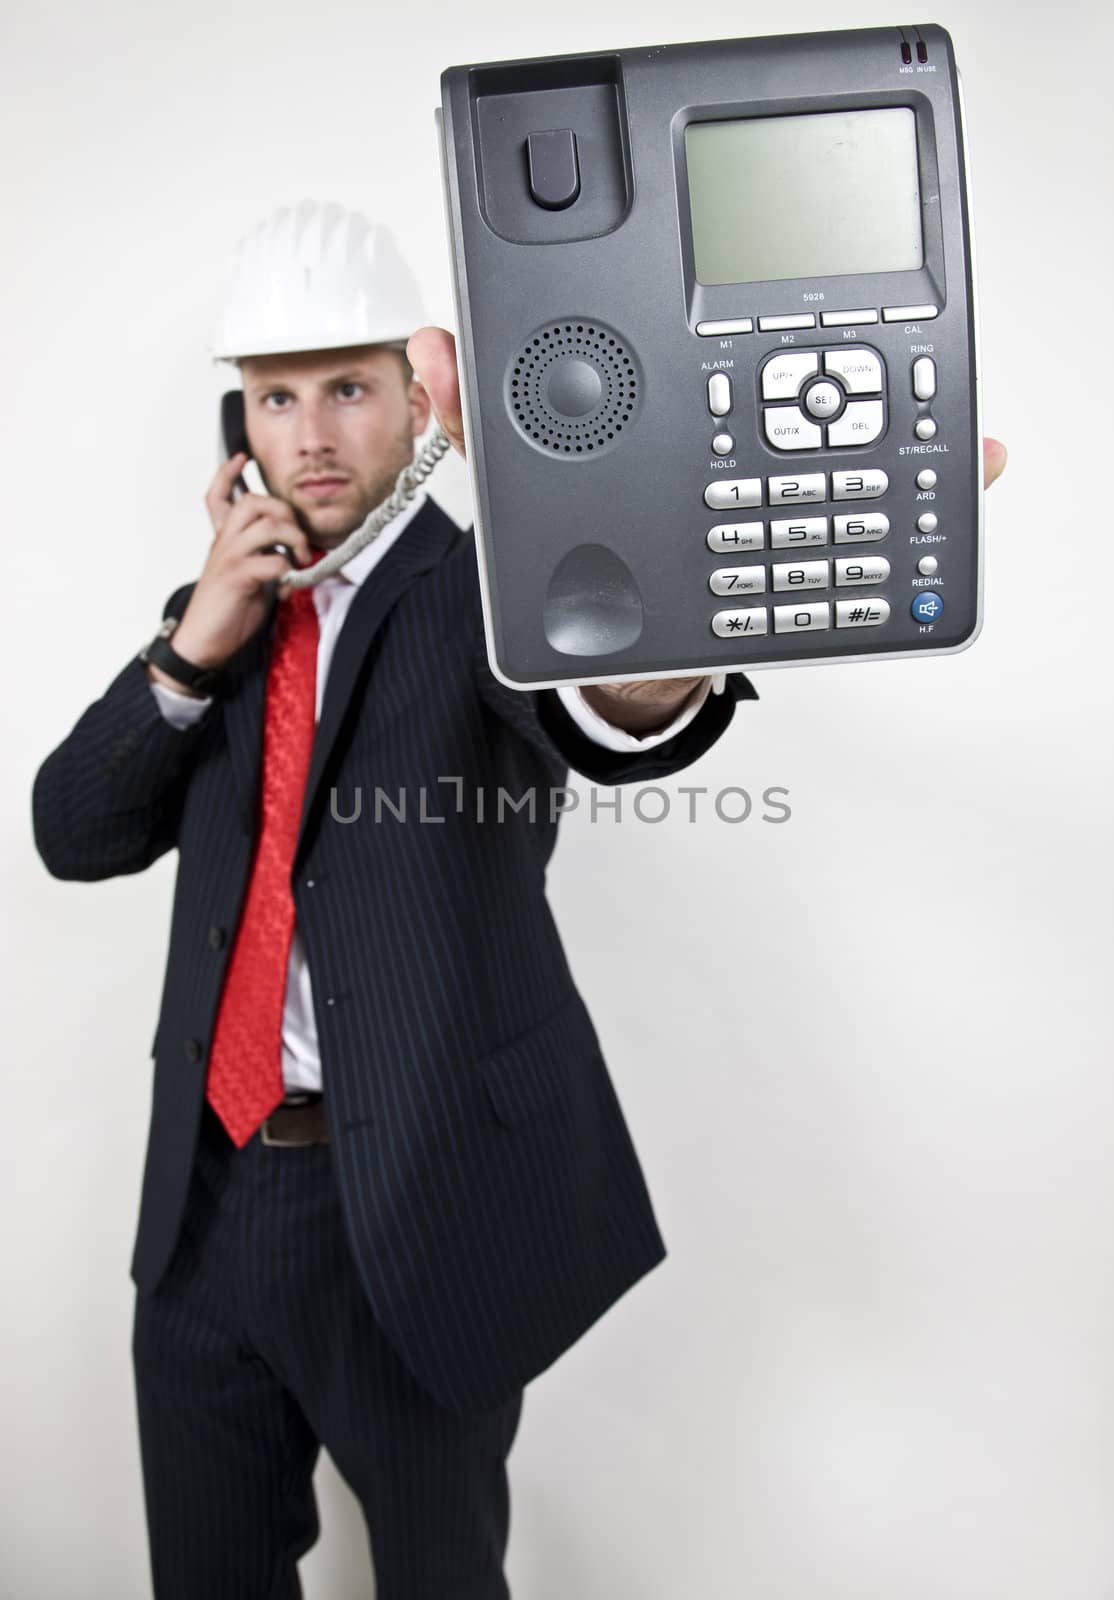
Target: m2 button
x,y
729,493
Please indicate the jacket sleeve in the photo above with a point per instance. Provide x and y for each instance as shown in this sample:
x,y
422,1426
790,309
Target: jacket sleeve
x,y
108,799
540,718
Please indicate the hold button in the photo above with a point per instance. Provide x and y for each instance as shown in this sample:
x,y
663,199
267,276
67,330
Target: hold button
x,y
554,168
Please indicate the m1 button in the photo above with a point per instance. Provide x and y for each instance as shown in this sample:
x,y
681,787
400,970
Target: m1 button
x,y
192,1049
216,938
553,167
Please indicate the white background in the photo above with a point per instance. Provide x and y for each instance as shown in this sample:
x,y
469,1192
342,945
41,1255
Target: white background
x,y
864,1055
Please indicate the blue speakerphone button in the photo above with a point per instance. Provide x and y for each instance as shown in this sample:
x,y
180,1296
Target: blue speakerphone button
x,y
928,607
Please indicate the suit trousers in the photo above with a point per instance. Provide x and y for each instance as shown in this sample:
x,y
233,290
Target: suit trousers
x,y
257,1346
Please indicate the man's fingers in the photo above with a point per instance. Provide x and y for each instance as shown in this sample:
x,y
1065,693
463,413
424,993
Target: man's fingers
x,y
993,461
218,496
432,354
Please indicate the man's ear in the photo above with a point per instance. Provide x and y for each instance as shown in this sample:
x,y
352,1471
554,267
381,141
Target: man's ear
x,y
420,407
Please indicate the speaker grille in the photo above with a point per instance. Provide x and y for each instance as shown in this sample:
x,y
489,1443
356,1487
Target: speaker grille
x,y
573,388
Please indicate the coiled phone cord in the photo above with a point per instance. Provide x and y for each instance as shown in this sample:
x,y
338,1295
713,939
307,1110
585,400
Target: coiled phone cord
x,y
406,487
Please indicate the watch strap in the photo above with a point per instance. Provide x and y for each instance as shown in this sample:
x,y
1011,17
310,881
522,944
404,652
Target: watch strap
x,y
161,653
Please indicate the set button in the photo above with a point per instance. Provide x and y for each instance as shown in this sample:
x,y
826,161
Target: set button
x,y
823,400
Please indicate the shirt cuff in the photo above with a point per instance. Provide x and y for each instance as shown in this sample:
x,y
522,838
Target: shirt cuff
x,y
602,732
180,710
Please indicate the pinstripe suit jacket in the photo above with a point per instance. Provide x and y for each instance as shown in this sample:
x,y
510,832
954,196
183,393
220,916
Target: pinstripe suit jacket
x,y
493,1198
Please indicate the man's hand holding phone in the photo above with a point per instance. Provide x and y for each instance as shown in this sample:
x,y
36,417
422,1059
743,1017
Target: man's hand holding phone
x,y
229,601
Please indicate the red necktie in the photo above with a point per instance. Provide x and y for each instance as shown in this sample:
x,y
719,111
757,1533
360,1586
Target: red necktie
x,y
245,1081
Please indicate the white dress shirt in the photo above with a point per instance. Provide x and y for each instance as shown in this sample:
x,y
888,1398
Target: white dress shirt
x,y
301,1061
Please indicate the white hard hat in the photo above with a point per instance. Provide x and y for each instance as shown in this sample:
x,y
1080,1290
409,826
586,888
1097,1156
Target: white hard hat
x,y
316,277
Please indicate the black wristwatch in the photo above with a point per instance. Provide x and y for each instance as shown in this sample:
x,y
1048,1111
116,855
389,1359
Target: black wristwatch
x,y
204,680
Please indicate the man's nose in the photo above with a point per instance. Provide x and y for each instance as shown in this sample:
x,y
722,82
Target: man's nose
x,y
315,431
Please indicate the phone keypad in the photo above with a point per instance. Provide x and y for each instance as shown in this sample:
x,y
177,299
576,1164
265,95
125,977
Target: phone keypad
x,y
804,532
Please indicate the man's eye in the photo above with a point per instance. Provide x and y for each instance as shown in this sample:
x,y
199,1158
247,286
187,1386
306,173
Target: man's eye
x,y
274,395
342,387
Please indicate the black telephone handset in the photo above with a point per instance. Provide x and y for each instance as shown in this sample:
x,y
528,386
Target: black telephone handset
x,y
234,440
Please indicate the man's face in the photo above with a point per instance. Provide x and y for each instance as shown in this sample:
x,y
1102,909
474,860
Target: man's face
x,y
331,430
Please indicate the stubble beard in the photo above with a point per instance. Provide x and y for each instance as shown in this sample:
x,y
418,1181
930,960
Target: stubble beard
x,y
381,487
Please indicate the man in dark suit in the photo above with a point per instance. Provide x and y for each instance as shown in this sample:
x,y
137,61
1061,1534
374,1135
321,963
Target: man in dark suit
x,y
388,1180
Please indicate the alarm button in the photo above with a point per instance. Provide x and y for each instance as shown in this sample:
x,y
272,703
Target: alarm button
x,y
719,394
554,170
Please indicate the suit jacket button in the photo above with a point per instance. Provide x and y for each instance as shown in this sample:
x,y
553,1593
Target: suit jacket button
x,y
192,1048
216,938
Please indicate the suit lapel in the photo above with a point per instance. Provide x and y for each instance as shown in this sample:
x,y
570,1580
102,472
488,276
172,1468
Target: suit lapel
x,y
420,546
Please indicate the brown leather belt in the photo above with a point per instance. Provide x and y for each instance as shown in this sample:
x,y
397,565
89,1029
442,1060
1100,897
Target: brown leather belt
x,y
300,1119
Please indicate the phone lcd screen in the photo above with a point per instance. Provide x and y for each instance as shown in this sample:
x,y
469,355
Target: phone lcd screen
x,y
808,196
